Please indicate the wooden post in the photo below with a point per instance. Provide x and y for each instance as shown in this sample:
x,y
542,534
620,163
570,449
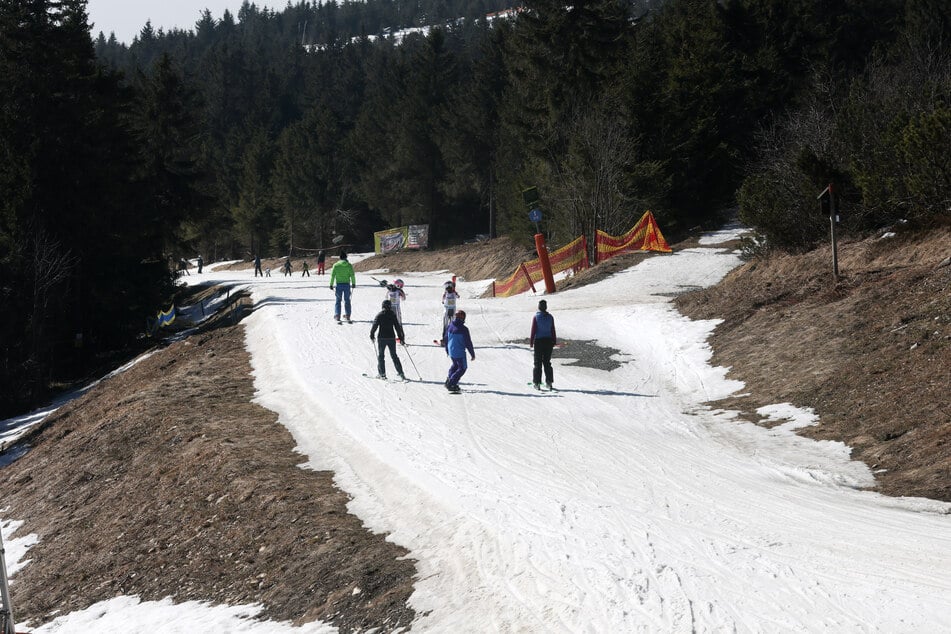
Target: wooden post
x,y
527,276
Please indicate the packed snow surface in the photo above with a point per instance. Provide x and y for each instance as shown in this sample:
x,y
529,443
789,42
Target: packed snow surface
x,y
618,503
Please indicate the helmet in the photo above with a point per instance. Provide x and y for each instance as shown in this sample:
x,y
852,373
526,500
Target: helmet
x,y
448,285
461,315
398,283
386,304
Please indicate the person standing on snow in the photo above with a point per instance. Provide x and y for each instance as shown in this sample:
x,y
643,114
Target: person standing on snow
x,y
306,268
449,298
343,276
390,329
321,257
287,266
394,293
458,341
201,263
543,341
257,266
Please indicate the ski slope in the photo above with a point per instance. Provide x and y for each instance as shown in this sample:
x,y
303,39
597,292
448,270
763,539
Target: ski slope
x,y
619,503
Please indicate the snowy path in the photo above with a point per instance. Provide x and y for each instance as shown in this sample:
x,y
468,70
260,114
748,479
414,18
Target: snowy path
x,y
619,503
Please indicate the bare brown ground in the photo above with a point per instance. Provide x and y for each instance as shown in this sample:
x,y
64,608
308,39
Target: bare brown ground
x,y
166,481
870,353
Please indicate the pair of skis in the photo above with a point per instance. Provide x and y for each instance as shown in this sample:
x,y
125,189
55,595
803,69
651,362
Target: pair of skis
x,y
383,378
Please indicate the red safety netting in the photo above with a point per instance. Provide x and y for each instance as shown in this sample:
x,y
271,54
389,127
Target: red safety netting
x,y
643,236
571,256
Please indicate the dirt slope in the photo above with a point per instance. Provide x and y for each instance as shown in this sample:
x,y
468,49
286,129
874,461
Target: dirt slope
x,y
168,481
870,353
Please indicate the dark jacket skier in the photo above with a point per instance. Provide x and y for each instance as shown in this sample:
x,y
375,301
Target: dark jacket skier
x,y
390,328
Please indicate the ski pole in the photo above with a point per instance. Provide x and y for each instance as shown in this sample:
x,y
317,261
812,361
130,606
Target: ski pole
x,y
410,357
375,356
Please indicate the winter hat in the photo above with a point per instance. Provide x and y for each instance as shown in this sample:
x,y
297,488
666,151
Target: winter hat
x,y
343,255
387,304
542,305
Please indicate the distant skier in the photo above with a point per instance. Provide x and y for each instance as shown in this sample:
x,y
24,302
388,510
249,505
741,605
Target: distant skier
x,y
305,268
543,340
257,265
394,293
458,341
286,268
201,263
449,298
321,257
390,329
345,280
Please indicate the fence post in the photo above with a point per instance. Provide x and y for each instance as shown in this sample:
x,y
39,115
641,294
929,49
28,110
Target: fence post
x,y
7,622
527,276
829,194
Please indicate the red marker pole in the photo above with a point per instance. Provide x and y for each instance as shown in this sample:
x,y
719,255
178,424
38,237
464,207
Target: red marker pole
x,y
545,262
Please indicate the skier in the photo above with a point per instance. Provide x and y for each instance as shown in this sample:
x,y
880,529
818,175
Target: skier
x,y
287,266
390,329
257,265
394,293
321,257
183,267
542,340
458,341
201,263
342,275
449,298
305,268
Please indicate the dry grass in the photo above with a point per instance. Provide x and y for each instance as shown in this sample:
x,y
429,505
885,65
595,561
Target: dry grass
x,y
870,353
168,481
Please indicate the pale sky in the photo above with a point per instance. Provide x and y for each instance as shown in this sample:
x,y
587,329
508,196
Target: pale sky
x,y
127,17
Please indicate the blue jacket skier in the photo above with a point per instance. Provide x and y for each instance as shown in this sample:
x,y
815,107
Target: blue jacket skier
x,y
458,341
543,340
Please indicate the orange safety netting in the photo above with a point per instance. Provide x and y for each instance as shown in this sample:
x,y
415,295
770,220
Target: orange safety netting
x,y
643,236
571,256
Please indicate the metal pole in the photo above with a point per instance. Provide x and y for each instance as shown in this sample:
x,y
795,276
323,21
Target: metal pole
x,y
7,622
410,357
835,243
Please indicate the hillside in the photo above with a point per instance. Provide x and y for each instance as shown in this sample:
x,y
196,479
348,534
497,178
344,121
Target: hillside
x,y
206,486
871,354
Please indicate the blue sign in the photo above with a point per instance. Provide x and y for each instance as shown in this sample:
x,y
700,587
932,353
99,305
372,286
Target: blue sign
x,y
535,215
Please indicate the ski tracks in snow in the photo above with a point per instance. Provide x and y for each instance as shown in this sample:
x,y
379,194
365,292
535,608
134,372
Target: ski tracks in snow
x,y
602,507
